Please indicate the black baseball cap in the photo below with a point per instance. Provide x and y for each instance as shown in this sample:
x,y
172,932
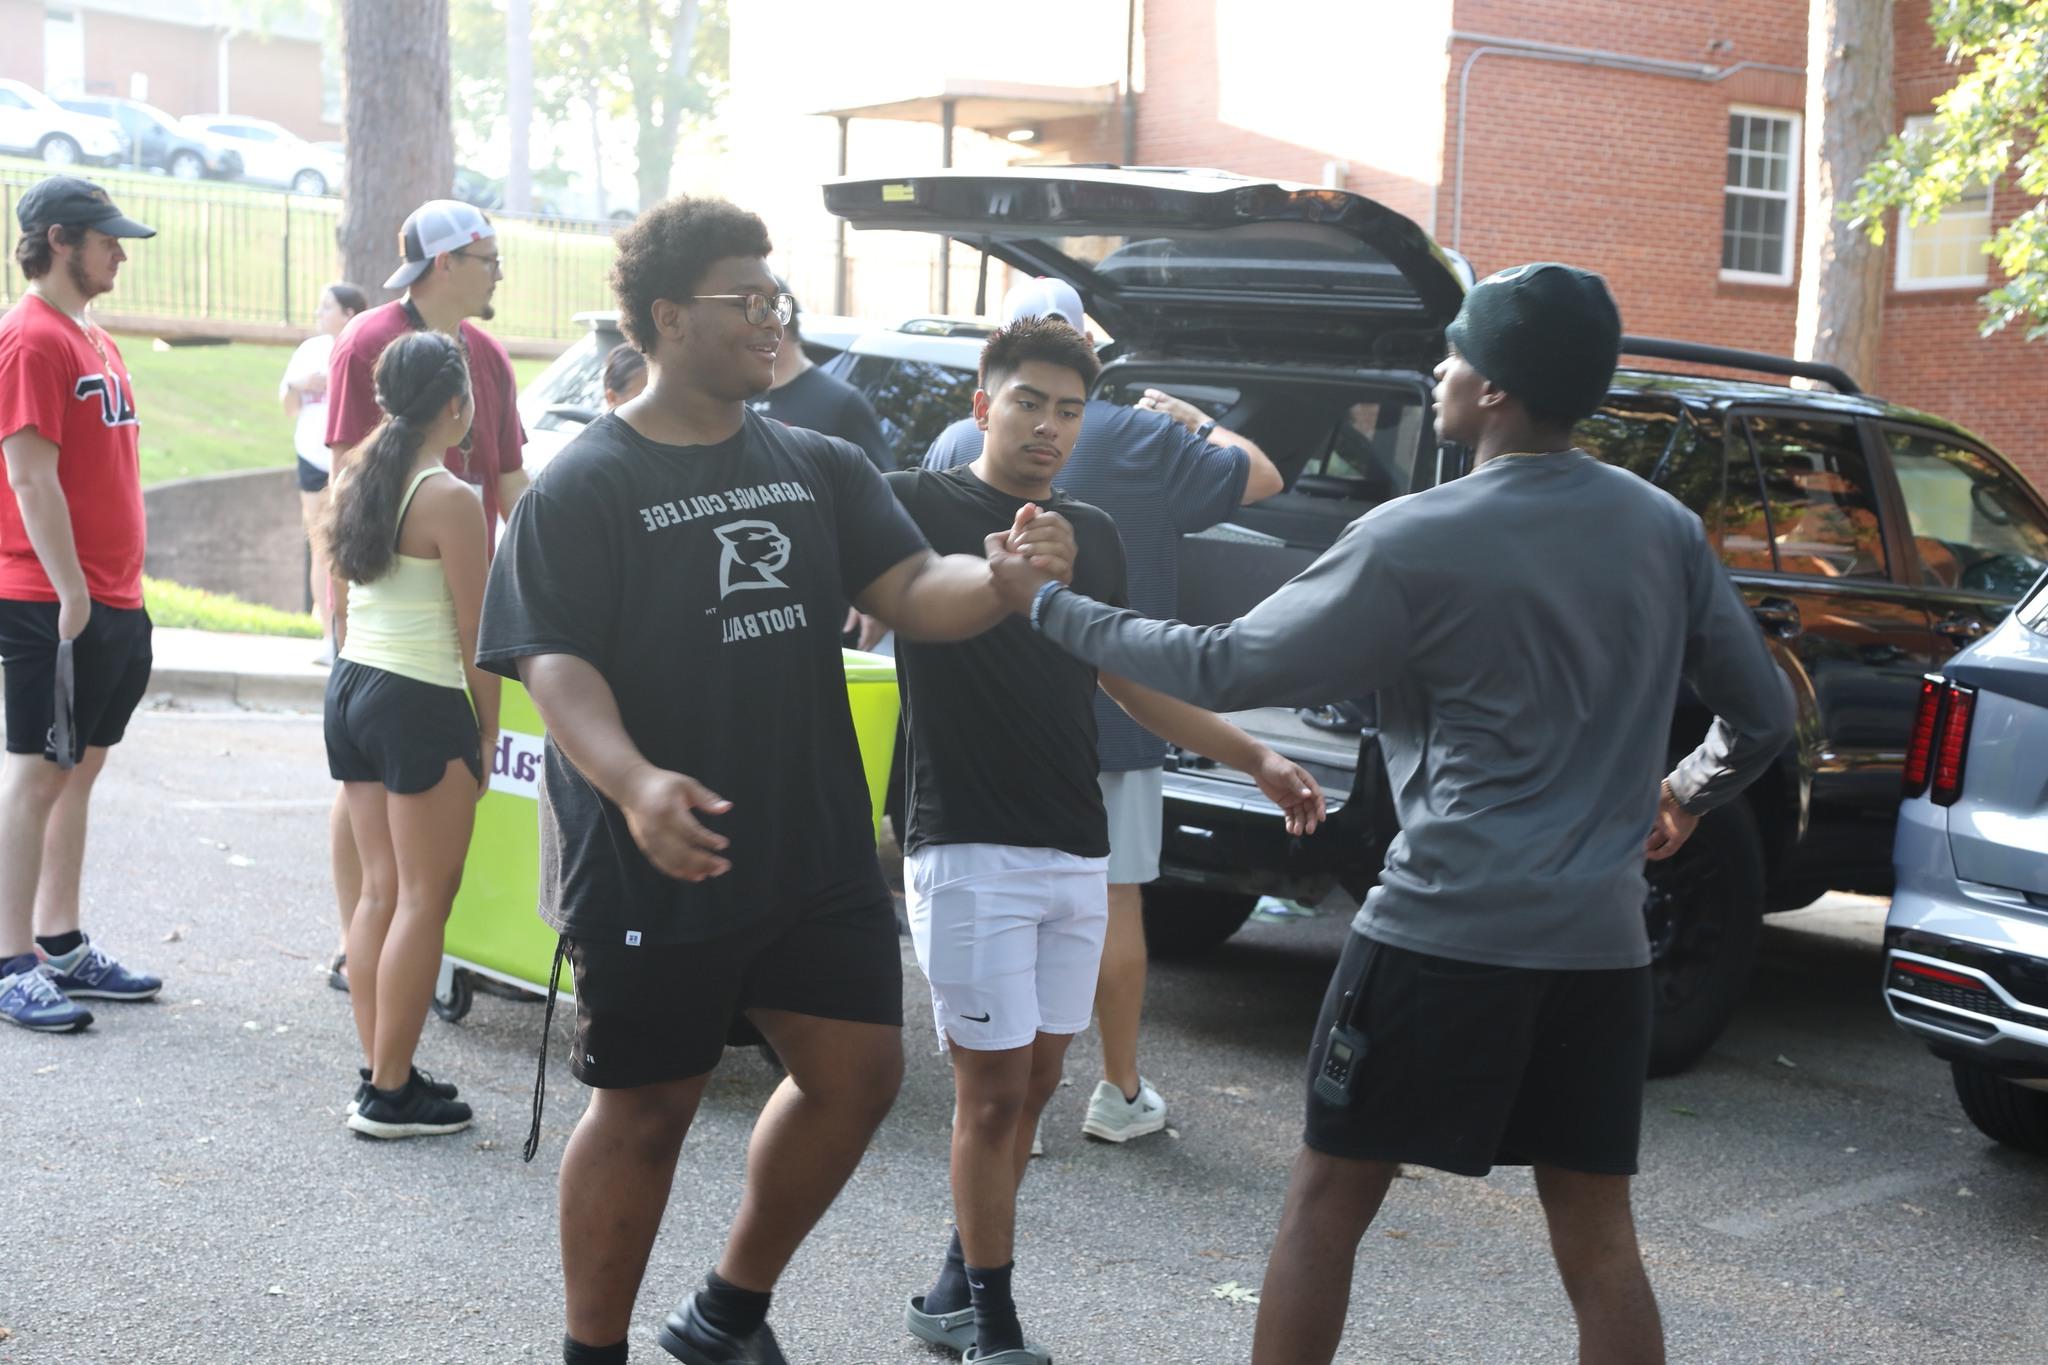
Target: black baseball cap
x,y
67,201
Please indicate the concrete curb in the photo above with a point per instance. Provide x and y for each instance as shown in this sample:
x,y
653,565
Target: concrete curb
x,y
257,691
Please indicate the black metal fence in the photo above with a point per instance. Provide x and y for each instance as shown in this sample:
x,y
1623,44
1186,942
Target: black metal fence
x,y
230,253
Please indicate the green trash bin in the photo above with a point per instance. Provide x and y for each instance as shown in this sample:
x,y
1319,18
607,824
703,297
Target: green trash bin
x,y
495,932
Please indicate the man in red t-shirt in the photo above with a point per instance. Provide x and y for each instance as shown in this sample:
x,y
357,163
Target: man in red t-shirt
x,y
449,270
72,628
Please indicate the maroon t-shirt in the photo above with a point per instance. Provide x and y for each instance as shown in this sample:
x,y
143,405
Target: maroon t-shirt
x,y
495,435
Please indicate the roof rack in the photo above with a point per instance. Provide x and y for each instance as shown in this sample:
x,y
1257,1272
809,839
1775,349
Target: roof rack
x,y
1728,357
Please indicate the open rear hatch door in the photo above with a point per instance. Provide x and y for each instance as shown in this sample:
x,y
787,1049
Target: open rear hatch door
x,y
1196,262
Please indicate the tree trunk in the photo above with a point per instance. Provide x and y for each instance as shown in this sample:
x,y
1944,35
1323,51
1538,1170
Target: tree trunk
x,y
519,104
396,122
1848,118
658,98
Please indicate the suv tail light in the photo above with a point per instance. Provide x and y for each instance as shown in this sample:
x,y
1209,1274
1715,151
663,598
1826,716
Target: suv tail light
x,y
1920,752
1953,747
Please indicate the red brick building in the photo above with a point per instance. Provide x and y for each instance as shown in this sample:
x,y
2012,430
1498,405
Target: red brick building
x,y
178,55
1661,146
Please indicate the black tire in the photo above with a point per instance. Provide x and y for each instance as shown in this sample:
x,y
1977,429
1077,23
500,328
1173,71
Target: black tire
x,y
309,183
59,150
454,1007
1187,921
2002,1111
1704,913
188,165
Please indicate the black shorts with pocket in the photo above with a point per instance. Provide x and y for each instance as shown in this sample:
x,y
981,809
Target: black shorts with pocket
x,y
384,727
646,1014
312,478
1469,1066
111,660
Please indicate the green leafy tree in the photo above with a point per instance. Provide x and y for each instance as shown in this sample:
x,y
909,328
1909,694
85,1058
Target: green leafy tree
x,y
1996,111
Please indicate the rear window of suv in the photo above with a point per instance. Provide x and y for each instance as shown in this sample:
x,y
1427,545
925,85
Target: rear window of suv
x,y
915,399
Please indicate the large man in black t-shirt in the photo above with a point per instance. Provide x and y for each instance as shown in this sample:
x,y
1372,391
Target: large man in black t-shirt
x,y
669,592
1007,849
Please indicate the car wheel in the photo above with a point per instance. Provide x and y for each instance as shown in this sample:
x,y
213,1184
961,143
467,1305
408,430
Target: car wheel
x,y
1187,921
309,182
2002,1111
58,150
187,166
1704,913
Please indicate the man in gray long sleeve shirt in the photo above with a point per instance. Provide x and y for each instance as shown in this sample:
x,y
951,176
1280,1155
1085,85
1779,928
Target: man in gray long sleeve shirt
x,y
1527,628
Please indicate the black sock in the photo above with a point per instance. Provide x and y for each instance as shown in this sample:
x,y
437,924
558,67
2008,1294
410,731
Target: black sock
x,y
949,1293
1132,1098
732,1310
996,1328
575,1352
56,945
15,966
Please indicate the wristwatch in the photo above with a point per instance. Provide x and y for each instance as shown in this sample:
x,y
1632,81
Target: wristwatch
x,y
1202,431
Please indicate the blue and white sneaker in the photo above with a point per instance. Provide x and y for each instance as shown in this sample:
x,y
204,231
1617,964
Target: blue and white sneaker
x,y
32,1000
89,974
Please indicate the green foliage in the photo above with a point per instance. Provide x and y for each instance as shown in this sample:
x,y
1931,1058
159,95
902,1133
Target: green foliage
x,y
617,53
175,606
1999,108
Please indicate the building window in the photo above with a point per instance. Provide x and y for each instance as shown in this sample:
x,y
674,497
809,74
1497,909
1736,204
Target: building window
x,y
1947,253
1760,205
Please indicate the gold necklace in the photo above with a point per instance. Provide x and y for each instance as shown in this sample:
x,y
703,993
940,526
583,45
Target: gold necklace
x,y
91,336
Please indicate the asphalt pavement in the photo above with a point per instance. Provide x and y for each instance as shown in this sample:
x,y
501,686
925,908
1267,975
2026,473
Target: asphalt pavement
x,y
185,1190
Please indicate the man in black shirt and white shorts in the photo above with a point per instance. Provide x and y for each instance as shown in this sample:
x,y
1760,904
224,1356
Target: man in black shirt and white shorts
x,y
1007,849
669,591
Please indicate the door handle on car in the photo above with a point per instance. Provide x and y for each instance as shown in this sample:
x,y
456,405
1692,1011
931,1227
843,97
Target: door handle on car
x,y
1777,615
1960,629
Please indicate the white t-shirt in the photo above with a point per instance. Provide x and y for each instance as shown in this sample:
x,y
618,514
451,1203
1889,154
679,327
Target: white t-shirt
x,y
310,439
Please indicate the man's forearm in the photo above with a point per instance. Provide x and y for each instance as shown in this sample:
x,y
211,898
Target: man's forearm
x,y
1190,727
582,716
511,485
952,597
46,515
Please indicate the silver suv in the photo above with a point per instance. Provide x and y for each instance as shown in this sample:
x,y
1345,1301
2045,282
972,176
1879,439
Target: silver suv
x,y
1966,944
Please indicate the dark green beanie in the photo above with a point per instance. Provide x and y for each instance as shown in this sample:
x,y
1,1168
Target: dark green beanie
x,y
1547,333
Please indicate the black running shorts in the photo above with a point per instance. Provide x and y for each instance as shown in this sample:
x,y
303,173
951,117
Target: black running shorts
x,y
110,663
1467,1066
646,1014
312,478
399,731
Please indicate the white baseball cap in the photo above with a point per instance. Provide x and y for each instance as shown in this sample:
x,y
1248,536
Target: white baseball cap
x,y
1042,297
434,227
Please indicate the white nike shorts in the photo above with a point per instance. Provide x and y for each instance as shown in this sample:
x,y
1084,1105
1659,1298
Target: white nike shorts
x,y
1009,938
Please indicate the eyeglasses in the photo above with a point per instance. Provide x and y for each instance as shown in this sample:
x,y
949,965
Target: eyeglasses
x,y
758,306
493,262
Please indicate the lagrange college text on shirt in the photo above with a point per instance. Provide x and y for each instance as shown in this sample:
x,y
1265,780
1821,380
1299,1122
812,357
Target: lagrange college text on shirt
x,y
754,552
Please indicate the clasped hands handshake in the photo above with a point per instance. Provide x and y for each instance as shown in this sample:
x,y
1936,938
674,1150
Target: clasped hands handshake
x,y
1036,550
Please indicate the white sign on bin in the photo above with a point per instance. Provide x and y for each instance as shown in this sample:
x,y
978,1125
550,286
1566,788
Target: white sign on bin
x,y
515,767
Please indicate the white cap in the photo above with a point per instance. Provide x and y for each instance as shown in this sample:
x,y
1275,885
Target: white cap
x,y
434,227
1042,297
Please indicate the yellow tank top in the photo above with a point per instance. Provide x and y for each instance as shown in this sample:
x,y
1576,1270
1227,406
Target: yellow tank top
x,y
404,623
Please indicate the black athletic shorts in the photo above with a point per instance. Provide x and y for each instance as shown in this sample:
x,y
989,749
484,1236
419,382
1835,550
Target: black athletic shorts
x,y
648,1014
1467,1066
110,668
399,731
312,478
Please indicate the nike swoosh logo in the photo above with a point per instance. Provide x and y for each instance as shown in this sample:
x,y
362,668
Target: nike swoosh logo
x,y
976,1284
975,1019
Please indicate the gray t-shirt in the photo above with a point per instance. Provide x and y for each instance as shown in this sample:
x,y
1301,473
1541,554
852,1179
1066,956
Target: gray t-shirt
x,y
1158,481
1526,628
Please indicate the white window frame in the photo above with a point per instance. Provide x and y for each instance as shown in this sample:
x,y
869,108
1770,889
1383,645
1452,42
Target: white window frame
x,y
1790,195
1902,277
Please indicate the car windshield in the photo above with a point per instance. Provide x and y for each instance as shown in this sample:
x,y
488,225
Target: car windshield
x,y
915,399
570,392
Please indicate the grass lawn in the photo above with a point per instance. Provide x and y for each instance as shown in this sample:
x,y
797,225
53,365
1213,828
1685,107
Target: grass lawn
x,y
176,606
211,409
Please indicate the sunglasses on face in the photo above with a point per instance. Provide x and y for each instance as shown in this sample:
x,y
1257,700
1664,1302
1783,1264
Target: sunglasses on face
x,y
758,307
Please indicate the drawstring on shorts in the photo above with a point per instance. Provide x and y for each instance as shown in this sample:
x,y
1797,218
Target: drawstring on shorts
x,y
540,1074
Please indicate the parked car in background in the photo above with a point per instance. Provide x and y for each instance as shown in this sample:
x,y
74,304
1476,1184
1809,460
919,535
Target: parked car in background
x,y
33,123
1966,942
1870,541
569,394
159,142
272,154
919,376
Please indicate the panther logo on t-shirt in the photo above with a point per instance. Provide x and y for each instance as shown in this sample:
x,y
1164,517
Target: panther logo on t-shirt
x,y
755,553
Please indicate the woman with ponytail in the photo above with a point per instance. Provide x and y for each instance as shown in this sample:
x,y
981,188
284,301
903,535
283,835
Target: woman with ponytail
x,y
402,737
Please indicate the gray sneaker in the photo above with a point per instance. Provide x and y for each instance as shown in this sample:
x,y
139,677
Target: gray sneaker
x,y
1113,1118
